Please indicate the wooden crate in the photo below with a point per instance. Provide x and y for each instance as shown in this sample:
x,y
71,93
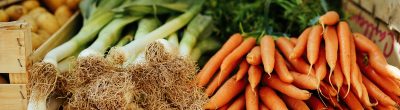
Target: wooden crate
x,y
16,56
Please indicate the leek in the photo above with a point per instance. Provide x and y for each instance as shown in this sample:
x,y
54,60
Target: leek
x,y
108,36
195,28
126,39
132,49
206,44
146,25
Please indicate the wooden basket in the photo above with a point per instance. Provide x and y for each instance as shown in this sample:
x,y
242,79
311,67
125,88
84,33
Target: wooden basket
x,y
16,56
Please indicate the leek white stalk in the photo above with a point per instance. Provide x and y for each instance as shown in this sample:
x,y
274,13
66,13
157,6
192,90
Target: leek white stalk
x,y
132,49
145,26
195,28
173,39
206,44
108,36
126,39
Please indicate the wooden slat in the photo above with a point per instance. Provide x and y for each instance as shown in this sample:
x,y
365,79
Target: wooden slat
x,y
14,37
13,97
18,78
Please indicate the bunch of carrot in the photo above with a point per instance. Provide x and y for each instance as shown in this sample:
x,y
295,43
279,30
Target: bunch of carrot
x,y
326,63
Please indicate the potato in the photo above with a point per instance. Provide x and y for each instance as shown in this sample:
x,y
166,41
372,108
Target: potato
x,y
16,11
37,11
3,16
37,40
62,14
31,4
42,33
53,4
29,19
48,22
73,4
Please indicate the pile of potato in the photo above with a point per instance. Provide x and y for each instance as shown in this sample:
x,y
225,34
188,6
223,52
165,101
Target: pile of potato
x,y
44,16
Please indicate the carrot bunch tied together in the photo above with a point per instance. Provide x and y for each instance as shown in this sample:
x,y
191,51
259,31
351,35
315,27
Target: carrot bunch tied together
x,y
326,67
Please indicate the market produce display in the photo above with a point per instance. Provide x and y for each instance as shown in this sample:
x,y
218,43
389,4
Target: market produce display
x,y
282,73
129,54
43,22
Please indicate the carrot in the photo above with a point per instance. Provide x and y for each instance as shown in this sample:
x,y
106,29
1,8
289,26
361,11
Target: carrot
x,y
313,44
255,73
254,57
315,103
301,44
219,79
383,82
394,97
263,107
271,99
383,107
376,57
375,92
329,18
327,90
238,104
351,101
243,68
337,77
331,47
267,46
238,53
320,66
281,69
286,48
293,40
285,88
294,104
251,98
365,98
215,61
225,107
334,102
344,36
355,70
304,81
226,93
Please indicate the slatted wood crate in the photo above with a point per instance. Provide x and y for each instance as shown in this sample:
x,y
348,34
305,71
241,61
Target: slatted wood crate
x,y
16,56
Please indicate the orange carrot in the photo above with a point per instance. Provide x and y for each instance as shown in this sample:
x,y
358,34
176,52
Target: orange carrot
x,y
219,79
225,107
238,53
355,70
365,98
383,107
251,98
338,77
304,81
293,40
215,61
327,90
286,48
254,57
243,68
285,88
394,97
226,93
313,44
315,103
263,107
383,82
238,104
294,104
301,44
329,18
271,99
332,100
320,66
375,92
376,57
351,101
331,47
255,73
281,69
344,36
267,46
